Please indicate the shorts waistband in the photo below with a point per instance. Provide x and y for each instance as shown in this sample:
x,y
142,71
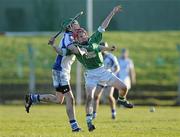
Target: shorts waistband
x,y
97,69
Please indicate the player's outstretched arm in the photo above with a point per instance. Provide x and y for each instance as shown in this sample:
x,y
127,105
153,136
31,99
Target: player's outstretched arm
x,y
76,50
73,49
56,48
106,22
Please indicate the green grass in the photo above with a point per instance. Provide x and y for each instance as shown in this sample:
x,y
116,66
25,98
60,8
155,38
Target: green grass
x,y
51,121
154,54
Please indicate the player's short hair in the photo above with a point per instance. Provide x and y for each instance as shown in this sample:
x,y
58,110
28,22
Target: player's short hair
x,y
123,50
79,31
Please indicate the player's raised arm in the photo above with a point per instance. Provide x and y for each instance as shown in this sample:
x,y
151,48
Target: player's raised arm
x,y
76,50
56,48
106,22
97,36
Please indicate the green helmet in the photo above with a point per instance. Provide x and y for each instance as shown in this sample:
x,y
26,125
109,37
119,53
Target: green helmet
x,y
65,24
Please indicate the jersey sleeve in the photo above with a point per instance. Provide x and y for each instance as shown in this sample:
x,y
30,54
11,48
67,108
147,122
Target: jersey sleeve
x,y
97,36
131,64
67,40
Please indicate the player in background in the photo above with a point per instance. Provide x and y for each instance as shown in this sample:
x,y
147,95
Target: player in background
x,y
111,64
61,76
92,61
127,73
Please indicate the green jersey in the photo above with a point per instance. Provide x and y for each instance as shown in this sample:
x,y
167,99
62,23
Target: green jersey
x,y
94,58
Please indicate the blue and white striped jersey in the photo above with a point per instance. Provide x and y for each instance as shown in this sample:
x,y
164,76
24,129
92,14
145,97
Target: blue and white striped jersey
x,y
63,63
125,65
110,61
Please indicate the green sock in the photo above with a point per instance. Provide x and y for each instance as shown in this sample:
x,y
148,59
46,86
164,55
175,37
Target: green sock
x,y
121,98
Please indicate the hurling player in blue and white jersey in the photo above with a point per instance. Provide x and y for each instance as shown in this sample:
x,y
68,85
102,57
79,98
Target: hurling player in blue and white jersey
x,y
111,64
127,73
61,75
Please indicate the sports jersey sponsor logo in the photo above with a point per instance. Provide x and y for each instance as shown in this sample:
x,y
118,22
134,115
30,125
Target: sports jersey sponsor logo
x,y
91,55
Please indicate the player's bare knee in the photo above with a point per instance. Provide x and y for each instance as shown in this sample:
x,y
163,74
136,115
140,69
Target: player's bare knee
x,y
69,96
89,95
110,97
59,101
124,88
96,97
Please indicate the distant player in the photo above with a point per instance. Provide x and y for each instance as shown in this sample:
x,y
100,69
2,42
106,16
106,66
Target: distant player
x,y
111,64
127,73
95,72
61,76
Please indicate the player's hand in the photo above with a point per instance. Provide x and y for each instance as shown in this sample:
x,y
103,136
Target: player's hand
x,y
117,9
51,41
113,48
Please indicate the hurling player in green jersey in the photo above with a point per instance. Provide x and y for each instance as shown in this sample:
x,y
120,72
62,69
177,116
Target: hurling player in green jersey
x,y
89,53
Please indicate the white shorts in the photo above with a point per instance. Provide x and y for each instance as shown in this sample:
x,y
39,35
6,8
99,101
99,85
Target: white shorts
x,y
99,76
60,78
127,82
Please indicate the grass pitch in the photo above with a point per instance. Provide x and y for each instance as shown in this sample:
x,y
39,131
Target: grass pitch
x,y
51,121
